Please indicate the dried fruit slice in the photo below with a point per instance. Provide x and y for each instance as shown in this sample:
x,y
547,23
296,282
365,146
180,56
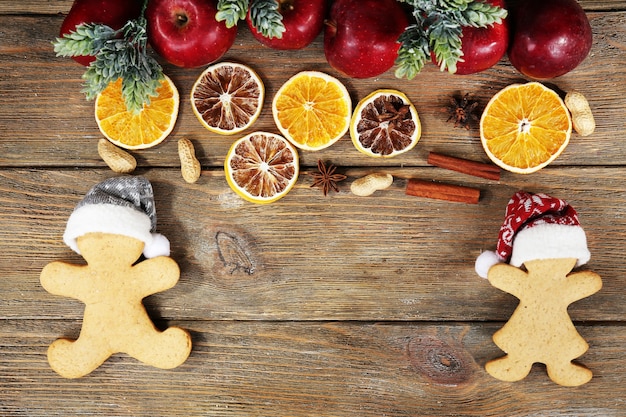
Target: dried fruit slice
x,y
312,110
227,97
385,124
524,127
137,130
261,167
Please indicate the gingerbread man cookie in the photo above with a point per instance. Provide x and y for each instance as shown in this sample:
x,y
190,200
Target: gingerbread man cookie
x,y
543,235
111,228
540,329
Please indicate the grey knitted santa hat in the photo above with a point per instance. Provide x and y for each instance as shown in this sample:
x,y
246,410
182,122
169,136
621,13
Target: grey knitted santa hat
x,y
119,205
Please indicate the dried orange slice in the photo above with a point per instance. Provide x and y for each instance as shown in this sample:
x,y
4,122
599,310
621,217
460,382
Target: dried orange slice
x,y
312,110
525,127
385,124
227,97
137,130
261,167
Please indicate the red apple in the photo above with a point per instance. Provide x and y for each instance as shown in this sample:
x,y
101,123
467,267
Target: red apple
x,y
303,21
185,32
361,36
113,13
483,47
550,37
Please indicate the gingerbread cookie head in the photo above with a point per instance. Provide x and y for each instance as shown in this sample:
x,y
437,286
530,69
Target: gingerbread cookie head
x,y
536,226
120,205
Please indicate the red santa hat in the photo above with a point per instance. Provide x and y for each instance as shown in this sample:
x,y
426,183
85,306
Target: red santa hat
x,y
536,226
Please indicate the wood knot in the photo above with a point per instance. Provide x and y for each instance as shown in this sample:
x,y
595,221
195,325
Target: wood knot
x,y
439,361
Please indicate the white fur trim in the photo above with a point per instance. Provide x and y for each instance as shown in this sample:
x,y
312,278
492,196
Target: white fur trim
x,y
107,218
548,241
159,246
484,262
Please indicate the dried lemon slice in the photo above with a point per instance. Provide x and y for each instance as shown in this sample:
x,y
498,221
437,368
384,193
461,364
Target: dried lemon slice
x,y
385,124
312,110
227,97
261,167
137,130
524,127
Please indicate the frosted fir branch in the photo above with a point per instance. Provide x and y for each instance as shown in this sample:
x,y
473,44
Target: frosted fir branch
x,y
119,54
231,11
413,54
86,39
438,28
266,18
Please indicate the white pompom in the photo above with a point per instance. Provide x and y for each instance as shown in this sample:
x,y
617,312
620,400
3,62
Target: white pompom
x,y
485,261
159,246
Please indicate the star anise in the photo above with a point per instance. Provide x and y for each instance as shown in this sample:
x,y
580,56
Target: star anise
x,y
326,178
462,110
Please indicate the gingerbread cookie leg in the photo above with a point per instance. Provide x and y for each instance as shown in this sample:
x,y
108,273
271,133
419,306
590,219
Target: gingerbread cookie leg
x,y
165,350
75,358
569,374
509,368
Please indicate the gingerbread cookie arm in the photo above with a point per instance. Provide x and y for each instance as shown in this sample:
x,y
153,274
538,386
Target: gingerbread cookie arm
x,y
507,278
163,273
582,284
60,278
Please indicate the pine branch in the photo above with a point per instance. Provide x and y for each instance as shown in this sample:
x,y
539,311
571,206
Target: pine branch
x,y
266,18
231,11
415,52
119,54
438,28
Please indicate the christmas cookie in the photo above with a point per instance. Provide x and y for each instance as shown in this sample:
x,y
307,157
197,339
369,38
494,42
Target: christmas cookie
x,y
542,234
111,228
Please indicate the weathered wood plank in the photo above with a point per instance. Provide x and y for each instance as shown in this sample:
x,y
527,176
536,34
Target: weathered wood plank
x,y
305,369
384,257
45,120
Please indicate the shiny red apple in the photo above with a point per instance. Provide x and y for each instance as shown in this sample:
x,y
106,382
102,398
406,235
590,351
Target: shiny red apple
x,y
303,21
361,36
483,47
185,32
113,13
551,37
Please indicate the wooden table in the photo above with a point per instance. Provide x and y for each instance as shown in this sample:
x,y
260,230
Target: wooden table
x,y
352,306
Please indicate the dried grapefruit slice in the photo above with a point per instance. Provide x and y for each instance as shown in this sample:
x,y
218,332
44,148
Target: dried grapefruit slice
x,y
312,110
524,127
227,97
385,124
261,167
137,130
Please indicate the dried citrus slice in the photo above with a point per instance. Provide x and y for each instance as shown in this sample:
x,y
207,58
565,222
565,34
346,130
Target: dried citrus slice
x,y
261,167
385,124
312,110
227,97
137,130
525,127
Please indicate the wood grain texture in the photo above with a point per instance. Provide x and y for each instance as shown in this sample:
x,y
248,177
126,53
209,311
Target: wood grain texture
x,y
309,369
385,257
311,306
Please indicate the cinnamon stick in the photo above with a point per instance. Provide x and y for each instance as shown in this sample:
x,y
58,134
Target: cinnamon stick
x,y
441,191
465,166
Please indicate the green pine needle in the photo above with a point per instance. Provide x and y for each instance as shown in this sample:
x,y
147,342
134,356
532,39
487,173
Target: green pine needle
x,y
438,28
231,11
119,54
267,19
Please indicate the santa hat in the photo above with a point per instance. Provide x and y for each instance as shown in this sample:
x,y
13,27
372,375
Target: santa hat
x,y
122,206
536,226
